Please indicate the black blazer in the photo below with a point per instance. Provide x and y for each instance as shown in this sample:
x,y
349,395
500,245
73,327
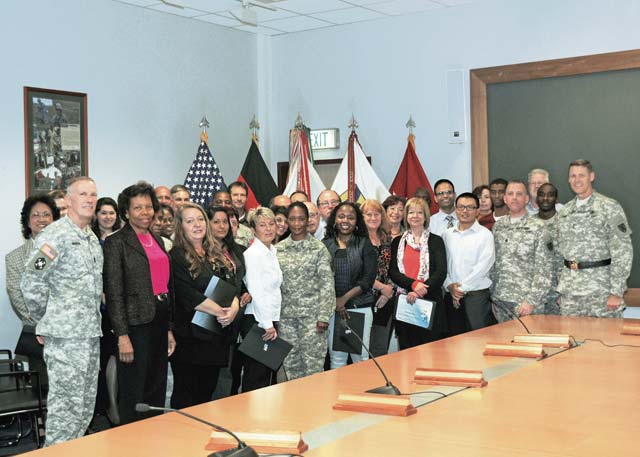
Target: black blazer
x,y
127,281
437,275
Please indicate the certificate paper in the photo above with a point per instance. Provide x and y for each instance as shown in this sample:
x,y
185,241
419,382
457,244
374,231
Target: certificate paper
x,y
419,313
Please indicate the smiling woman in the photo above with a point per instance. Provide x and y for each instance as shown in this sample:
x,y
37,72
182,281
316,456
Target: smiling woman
x,y
264,278
354,262
139,293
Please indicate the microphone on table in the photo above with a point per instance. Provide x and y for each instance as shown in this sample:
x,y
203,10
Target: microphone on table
x,y
388,388
511,313
241,451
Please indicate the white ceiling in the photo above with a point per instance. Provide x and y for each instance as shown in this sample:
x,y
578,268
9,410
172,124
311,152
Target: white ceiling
x,y
295,15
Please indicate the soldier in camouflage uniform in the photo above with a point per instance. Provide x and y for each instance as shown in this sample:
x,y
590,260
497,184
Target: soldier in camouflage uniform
x,y
308,295
522,271
546,199
62,286
594,240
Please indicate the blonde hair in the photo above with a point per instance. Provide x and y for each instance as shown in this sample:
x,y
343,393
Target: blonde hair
x,y
420,203
383,230
212,253
259,213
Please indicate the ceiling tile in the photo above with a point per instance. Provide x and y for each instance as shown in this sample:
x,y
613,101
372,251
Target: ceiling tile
x,y
259,29
349,15
399,7
457,2
364,2
139,2
297,24
210,6
186,12
265,15
219,19
311,6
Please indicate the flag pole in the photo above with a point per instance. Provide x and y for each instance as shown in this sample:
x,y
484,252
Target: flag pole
x,y
353,124
351,165
204,125
410,124
254,126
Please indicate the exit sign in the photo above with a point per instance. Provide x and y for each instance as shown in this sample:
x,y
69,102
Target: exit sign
x,y
325,139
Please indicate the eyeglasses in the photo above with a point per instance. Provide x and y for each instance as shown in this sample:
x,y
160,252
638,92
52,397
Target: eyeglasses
x,y
45,214
329,203
466,208
444,192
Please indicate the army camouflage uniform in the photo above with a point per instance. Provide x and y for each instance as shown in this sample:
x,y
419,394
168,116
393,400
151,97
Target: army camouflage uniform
x,y
595,231
551,301
523,267
62,286
244,236
308,296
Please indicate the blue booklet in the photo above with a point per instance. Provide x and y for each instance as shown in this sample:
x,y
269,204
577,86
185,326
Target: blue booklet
x,y
420,313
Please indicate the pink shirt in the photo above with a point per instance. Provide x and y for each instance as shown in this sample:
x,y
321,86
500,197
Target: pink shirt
x,y
158,263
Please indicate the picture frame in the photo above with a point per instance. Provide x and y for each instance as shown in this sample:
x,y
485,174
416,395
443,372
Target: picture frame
x,y
55,137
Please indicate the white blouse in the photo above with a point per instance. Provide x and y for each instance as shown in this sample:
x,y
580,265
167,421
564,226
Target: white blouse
x,y
263,280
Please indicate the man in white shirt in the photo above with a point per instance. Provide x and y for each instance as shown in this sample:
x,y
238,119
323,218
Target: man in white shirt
x,y
470,256
446,217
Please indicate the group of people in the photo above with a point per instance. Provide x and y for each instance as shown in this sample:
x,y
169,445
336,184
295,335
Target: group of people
x,y
136,271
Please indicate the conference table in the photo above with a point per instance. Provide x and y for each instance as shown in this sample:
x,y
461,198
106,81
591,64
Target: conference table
x,y
576,402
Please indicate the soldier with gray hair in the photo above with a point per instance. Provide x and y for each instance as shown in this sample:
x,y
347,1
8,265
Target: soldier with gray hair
x,y
594,239
62,287
522,270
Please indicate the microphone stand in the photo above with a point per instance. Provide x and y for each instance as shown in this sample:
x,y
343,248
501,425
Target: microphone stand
x,y
241,451
512,314
388,388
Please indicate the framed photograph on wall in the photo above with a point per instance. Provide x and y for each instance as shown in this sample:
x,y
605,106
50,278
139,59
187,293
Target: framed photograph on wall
x,y
55,137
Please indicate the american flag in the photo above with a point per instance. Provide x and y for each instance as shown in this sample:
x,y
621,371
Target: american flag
x,y
204,179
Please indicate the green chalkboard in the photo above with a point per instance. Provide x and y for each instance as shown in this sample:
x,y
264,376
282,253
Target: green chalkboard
x,y
547,123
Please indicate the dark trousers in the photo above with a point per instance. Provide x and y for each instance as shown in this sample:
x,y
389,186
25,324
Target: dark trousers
x,y
145,379
412,335
107,347
256,375
474,312
193,384
235,367
477,305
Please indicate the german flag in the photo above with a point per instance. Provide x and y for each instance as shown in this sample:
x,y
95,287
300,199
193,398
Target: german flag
x,y
257,177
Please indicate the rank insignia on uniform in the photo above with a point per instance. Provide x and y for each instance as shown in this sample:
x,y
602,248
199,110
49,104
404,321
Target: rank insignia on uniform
x,y
40,263
622,228
49,251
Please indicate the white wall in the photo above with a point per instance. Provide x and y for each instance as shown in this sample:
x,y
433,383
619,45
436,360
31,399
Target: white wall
x,y
385,70
149,77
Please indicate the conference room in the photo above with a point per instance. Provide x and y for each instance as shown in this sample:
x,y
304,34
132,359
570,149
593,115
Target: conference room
x,y
470,73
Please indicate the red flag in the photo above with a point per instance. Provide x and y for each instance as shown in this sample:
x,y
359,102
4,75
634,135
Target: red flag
x,y
257,177
411,175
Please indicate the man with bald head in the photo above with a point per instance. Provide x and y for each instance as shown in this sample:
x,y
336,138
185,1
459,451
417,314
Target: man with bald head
x,y
313,225
327,200
62,287
299,196
163,194
280,200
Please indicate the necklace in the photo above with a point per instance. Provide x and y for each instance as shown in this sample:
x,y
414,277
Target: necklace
x,y
148,238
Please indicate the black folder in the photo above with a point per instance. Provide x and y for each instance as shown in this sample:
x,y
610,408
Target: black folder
x,y
269,353
343,339
221,292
